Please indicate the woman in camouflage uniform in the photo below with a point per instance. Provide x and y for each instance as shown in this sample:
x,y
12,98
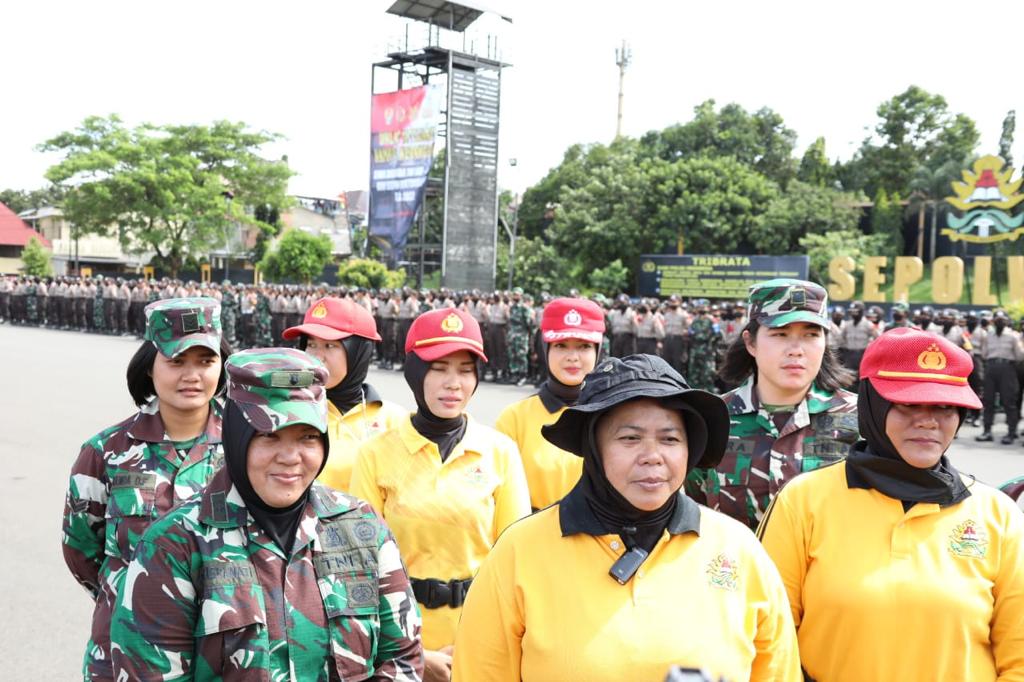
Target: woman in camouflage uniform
x,y
266,574
133,472
789,413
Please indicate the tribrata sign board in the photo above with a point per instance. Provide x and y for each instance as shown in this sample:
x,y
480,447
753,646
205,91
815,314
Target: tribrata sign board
x,y
402,150
711,276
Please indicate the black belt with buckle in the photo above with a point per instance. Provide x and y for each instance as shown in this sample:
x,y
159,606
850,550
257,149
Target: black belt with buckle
x,y
433,594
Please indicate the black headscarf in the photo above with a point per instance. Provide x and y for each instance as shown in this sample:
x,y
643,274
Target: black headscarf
x,y
280,523
350,390
636,527
446,433
876,463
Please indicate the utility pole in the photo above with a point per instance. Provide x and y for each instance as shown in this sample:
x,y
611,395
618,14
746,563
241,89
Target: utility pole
x,y
622,59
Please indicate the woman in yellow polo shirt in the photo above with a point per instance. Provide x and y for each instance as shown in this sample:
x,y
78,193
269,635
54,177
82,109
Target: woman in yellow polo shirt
x,y
898,567
626,577
340,333
446,485
572,330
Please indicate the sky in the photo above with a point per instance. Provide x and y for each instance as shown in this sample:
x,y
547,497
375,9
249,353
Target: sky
x,y
302,69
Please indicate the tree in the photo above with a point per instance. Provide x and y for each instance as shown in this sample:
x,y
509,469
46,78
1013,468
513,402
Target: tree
x,y
1006,138
611,280
822,248
299,256
887,221
759,140
19,200
165,189
801,210
369,274
538,267
814,166
915,129
36,259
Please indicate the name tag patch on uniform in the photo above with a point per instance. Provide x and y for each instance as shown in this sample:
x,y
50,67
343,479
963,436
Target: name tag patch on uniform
x,y
721,572
359,560
228,573
134,479
967,540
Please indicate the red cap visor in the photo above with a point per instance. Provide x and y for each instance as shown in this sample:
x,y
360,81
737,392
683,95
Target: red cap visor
x,y
918,392
432,349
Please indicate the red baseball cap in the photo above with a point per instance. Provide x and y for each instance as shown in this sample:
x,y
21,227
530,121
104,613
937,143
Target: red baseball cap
x,y
915,367
444,331
335,318
572,318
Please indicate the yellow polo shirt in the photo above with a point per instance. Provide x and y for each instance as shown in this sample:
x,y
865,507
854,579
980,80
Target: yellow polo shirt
x,y
543,607
551,472
350,430
447,515
882,594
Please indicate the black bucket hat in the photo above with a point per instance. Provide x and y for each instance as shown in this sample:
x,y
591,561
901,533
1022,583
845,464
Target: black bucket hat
x,y
619,380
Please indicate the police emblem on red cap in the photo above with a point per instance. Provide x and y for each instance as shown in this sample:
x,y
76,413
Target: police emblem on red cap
x,y
319,312
452,324
573,318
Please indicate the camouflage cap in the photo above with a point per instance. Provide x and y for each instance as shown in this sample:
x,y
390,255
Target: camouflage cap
x,y
176,324
778,302
278,387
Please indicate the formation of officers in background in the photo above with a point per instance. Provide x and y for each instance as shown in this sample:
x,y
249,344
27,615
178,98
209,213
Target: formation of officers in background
x,y
690,335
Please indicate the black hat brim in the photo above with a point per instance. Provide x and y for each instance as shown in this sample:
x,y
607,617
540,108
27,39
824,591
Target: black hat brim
x,y
570,429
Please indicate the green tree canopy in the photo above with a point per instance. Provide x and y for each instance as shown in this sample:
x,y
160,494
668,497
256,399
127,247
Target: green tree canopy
x,y
801,210
299,256
760,140
22,200
814,166
36,259
165,188
369,274
915,129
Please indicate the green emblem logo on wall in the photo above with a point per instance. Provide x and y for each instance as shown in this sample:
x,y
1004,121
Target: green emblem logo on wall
x,y
987,197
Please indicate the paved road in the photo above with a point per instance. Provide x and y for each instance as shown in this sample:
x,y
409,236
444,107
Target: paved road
x,y
58,388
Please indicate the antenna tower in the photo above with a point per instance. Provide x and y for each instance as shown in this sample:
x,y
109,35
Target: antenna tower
x,y
623,57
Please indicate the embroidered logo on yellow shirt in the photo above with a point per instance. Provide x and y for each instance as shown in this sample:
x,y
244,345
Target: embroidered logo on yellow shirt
x,y
722,573
476,475
968,540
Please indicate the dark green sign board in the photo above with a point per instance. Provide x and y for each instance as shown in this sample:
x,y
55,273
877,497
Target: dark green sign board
x,y
713,276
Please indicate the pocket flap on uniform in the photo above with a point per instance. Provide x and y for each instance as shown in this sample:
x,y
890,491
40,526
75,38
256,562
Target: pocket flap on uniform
x,y
217,614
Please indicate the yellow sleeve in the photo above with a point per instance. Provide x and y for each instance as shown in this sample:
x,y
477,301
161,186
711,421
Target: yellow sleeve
x,y
488,642
512,497
1007,629
507,425
364,477
783,535
777,656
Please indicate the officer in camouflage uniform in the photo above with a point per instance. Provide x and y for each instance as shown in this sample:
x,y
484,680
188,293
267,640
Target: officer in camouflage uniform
x,y
128,475
229,312
263,321
31,302
705,338
769,445
520,320
220,589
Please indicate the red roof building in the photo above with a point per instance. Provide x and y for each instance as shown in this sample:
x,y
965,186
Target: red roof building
x,y
15,232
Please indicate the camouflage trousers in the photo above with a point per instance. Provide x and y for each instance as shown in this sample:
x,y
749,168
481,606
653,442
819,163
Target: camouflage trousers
x,y
518,352
701,370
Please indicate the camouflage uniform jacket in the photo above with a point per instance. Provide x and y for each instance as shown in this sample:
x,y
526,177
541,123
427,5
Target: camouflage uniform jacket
x,y
760,458
126,477
210,596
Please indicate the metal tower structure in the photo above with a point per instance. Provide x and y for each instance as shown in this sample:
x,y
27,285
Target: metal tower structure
x,y
622,59
469,128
